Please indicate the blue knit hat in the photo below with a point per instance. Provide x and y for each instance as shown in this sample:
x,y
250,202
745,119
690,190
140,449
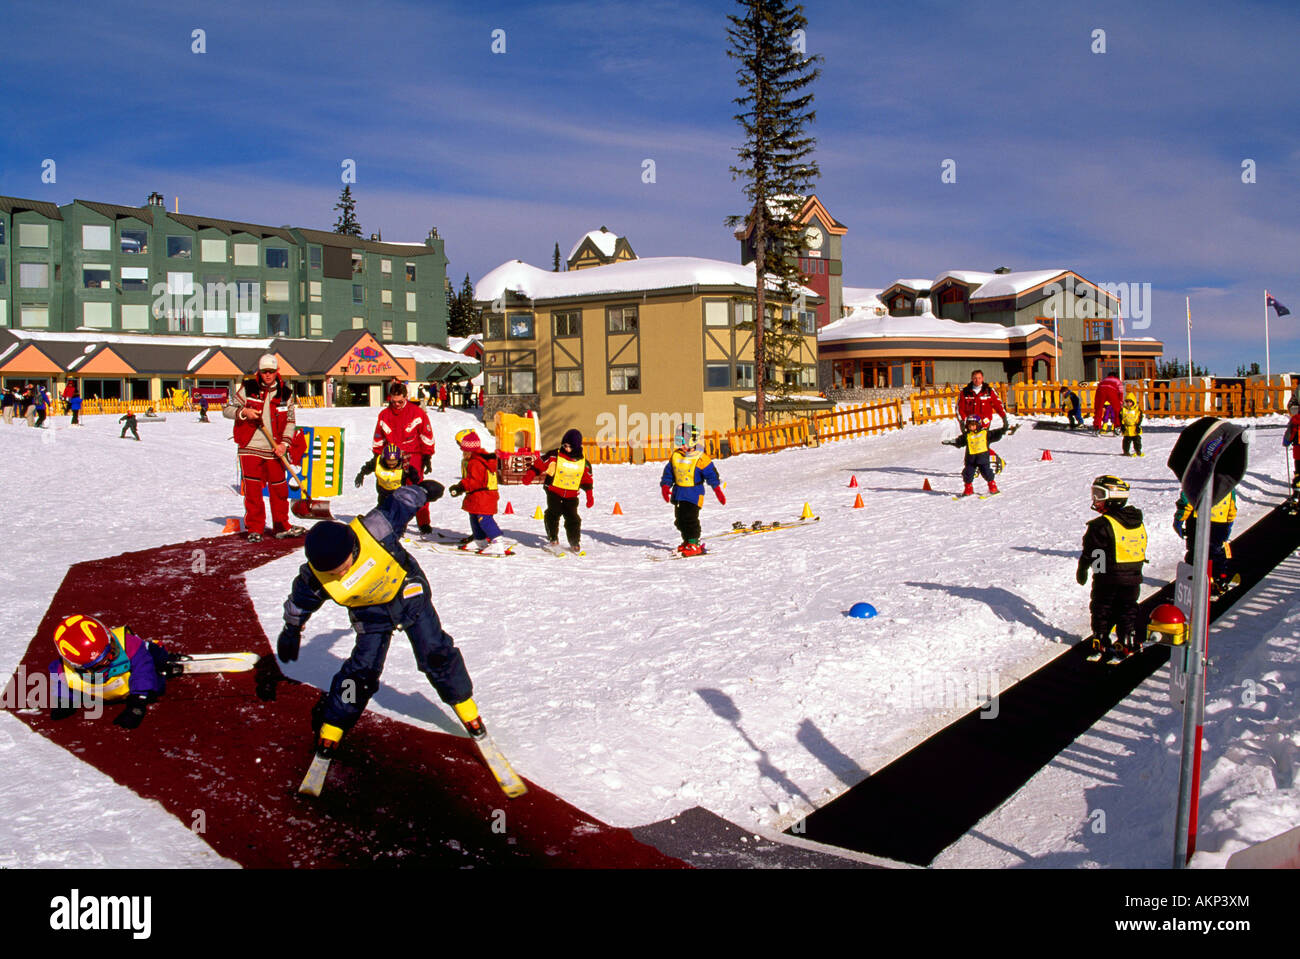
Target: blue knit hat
x,y
329,544
573,440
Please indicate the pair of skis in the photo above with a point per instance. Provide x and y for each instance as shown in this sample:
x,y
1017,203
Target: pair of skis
x,y
740,529
509,781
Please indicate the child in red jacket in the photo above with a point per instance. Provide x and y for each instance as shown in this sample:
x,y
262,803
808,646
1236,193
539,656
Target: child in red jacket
x,y
478,484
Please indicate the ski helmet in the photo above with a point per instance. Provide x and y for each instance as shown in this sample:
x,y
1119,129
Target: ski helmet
x,y
469,441
391,452
329,545
1108,489
84,643
687,436
1167,625
973,422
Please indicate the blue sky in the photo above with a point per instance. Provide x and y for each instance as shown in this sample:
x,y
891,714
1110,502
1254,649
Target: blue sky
x,y
1125,166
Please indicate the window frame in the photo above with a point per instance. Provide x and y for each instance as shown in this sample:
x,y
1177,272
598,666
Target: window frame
x,y
623,368
186,254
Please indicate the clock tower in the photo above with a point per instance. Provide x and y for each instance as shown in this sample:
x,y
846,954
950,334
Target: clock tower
x,y
819,256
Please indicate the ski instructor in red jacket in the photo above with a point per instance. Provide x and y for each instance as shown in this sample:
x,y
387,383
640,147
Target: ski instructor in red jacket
x,y
978,399
406,426
264,400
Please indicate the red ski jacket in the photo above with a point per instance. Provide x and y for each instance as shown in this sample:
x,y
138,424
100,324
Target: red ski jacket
x,y
409,429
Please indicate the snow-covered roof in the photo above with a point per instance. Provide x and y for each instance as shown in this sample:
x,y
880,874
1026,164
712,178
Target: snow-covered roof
x,y
921,284
427,354
459,343
1013,284
856,297
650,273
927,325
231,342
969,277
605,242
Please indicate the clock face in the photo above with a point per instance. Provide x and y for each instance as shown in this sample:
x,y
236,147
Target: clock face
x,y
813,236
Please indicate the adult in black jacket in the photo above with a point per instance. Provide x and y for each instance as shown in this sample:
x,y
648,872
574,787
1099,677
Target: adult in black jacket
x,y
1114,548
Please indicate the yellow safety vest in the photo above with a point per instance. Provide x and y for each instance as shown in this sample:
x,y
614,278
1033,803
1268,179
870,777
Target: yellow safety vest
x,y
977,441
1224,511
387,478
684,465
1130,418
567,474
1130,544
374,579
464,474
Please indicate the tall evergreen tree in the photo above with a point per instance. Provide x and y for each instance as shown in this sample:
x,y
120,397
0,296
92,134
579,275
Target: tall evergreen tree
x,y
464,319
347,206
774,74
555,259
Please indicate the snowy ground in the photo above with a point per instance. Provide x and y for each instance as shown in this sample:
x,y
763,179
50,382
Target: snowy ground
x,y
636,689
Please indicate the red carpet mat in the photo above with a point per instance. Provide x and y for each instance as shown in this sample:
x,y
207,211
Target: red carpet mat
x,y
225,753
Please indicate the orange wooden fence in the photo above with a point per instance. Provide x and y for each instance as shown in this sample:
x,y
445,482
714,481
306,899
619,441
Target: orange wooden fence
x,y
850,421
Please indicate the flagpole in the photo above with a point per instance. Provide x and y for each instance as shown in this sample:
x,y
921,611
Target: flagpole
x,y
1120,341
1189,339
1267,368
1056,347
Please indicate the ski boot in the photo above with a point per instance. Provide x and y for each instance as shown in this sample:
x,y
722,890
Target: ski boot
x,y
327,740
969,490
993,488
1096,648
289,532
575,547
498,547
467,713
254,537
425,529
691,548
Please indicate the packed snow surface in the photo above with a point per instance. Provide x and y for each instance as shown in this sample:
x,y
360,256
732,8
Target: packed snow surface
x,y
635,687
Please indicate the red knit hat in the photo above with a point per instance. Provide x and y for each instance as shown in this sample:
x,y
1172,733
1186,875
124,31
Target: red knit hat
x,y
468,441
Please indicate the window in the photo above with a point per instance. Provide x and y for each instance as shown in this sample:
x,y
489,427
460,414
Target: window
x,y
625,379
212,251
495,327
410,269
180,284
744,376
4,313
245,254
248,295
716,313
412,331
358,294
386,267
744,313
97,276
135,279
135,316
34,235
215,321
316,291
98,316
315,253
33,276
523,381
496,384
1097,330
622,319
4,271
315,324
134,241
807,322
96,237
521,326
247,322
358,263
358,322
277,324
568,381
180,247
386,297
386,329
717,376
277,258
567,324
2,232
35,314
410,302
277,291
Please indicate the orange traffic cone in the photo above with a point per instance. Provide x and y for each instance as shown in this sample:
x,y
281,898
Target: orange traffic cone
x,y
926,486
232,525
857,503
618,510
1047,456
853,482
508,509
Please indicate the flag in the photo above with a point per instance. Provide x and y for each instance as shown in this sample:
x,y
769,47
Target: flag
x,y
1278,308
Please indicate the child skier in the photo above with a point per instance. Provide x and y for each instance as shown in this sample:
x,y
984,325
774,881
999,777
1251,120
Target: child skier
x,y
1107,427
566,472
1222,515
478,484
1130,419
682,484
1114,548
976,437
391,470
129,420
96,662
363,566
1072,407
